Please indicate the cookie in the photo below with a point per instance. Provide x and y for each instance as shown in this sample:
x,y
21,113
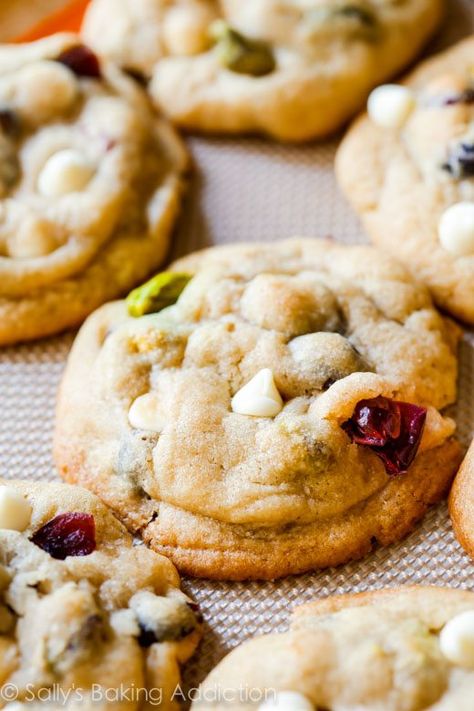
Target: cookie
x,y
408,169
410,648
86,616
294,71
461,503
280,416
90,185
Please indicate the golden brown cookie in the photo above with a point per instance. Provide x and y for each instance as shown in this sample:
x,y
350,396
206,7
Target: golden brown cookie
x,y
408,169
292,70
281,416
90,185
461,503
88,619
409,649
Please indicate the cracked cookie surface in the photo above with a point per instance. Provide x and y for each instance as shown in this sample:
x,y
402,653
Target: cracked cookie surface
x,y
369,651
402,181
107,616
90,185
293,70
148,416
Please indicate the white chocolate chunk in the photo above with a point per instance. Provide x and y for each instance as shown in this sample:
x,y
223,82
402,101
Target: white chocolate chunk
x,y
456,229
259,397
15,511
34,238
124,622
286,701
390,105
144,413
456,640
152,609
43,90
67,171
185,29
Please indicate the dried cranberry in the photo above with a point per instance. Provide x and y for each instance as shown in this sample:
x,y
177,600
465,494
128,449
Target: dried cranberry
x,y
67,534
391,428
82,61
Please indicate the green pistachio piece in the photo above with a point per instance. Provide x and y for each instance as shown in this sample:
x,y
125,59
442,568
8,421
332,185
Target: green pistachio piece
x,y
156,294
241,54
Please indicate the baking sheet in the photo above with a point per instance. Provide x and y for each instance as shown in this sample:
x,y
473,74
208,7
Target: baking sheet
x,y
249,189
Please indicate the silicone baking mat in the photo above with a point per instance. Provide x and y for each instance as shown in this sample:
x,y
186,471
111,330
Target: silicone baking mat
x,y
249,189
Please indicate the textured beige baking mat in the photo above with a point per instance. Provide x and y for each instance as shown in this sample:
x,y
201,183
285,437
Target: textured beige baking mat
x,y
250,190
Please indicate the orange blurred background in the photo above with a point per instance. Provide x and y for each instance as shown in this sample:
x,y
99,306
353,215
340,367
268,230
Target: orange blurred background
x,y
28,19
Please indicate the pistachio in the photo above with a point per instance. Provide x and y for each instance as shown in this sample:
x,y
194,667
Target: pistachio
x,y
162,619
156,294
241,54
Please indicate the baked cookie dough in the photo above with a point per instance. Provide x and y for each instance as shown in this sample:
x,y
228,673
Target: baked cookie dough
x,y
408,169
461,503
409,649
292,70
271,421
86,616
90,184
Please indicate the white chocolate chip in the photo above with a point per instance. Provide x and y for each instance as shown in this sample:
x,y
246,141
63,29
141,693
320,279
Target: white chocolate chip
x,y
154,610
456,229
43,90
15,511
67,171
124,622
144,413
259,397
286,701
390,105
456,640
34,238
185,30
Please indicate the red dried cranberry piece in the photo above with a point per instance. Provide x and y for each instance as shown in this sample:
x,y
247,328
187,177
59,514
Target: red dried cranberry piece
x,y
391,428
82,61
67,534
